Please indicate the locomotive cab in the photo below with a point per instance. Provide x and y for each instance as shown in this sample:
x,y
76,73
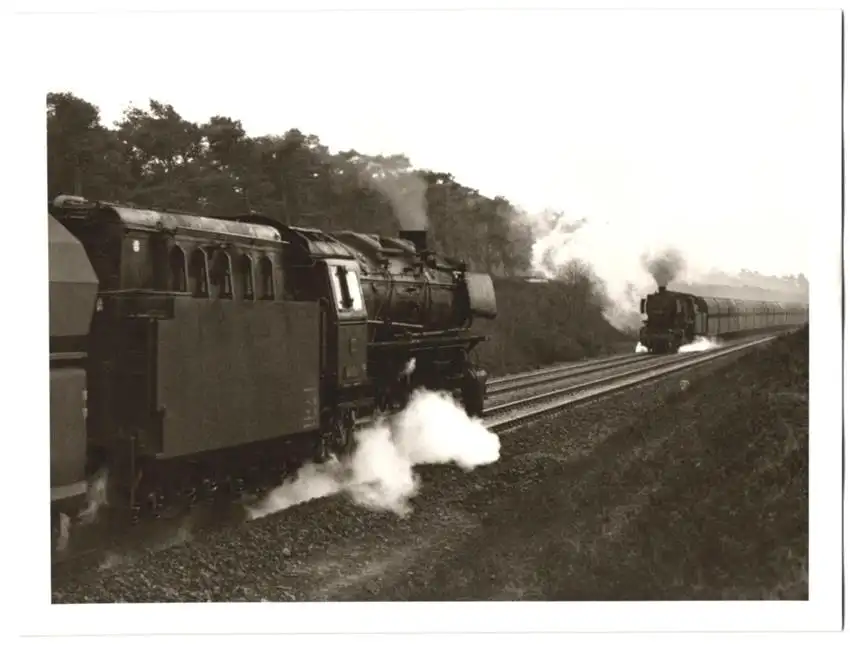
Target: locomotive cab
x,y
347,351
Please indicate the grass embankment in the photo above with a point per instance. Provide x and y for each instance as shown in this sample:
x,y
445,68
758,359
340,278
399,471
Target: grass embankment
x,y
695,488
730,518
543,323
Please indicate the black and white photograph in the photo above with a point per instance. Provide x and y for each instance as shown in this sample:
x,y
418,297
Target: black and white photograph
x,y
503,315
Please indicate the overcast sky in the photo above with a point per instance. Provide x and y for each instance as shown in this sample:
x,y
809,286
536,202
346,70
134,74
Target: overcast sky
x,y
659,127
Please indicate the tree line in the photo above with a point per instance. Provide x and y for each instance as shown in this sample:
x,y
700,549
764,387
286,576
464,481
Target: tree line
x,y
155,158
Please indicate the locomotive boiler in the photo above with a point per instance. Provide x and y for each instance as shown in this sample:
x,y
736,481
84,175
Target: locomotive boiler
x,y
407,287
420,308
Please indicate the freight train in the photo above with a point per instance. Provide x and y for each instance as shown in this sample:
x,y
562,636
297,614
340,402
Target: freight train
x,y
188,351
674,318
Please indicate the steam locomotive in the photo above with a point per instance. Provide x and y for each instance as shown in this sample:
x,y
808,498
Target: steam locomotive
x,y
674,318
186,351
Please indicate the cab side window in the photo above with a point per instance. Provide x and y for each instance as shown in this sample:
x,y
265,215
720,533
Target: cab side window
x,y
347,290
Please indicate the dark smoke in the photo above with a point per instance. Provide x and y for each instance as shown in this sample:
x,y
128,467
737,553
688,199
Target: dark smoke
x,y
664,266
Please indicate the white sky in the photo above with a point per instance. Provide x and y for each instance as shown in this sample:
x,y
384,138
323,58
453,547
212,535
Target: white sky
x,y
715,131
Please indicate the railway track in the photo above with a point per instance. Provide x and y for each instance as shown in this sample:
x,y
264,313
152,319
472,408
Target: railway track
x,y
499,417
546,376
508,417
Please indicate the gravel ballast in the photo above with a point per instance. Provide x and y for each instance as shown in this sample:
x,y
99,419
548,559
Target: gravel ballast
x,y
552,519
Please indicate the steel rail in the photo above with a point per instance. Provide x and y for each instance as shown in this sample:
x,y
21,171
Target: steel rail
x,y
505,418
553,369
568,371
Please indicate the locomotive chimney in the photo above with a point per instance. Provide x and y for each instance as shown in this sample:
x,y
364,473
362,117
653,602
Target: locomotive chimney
x,y
661,289
418,238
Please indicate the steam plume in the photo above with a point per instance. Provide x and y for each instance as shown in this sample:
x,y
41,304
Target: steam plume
x,y
564,247
700,344
664,266
406,192
379,475
95,497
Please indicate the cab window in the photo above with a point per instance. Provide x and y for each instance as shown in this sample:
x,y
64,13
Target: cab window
x,y
354,290
346,288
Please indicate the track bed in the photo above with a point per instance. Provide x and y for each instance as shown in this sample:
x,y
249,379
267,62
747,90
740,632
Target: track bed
x,y
626,498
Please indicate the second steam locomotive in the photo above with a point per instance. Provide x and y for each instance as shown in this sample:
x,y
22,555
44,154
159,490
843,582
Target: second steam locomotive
x,y
674,319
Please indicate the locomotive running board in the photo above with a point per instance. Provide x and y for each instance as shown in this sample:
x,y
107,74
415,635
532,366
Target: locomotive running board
x,y
427,342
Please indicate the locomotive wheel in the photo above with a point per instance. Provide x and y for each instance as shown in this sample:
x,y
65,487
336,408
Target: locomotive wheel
x,y
473,404
322,451
336,438
342,433
472,395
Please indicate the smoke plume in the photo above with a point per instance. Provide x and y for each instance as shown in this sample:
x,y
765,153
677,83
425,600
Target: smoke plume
x,y
379,474
665,266
406,192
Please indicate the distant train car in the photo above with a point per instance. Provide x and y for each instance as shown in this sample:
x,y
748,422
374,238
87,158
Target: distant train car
x,y
674,318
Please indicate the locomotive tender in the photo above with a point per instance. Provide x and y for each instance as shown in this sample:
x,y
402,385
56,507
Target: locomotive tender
x,y
674,318
187,350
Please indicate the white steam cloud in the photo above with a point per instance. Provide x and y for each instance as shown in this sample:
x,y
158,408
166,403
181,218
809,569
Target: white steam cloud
x,y
608,253
379,474
622,257
700,344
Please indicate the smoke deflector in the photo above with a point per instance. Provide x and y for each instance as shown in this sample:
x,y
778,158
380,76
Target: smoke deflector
x,y
482,295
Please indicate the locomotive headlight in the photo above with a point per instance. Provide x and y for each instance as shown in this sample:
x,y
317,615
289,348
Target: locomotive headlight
x,y
99,305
